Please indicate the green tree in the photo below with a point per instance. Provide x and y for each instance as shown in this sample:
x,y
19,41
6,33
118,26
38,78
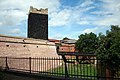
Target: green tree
x,y
66,38
109,49
87,43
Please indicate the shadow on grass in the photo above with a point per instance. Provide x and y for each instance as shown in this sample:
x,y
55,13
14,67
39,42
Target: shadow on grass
x,y
1,76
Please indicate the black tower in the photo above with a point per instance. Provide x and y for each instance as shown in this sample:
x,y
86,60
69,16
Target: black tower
x,y
38,23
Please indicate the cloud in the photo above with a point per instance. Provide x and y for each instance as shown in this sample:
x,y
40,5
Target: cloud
x,y
61,36
87,3
70,15
14,31
96,30
90,30
12,17
60,19
101,13
108,13
83,22
15,11
18,10
1,23
107,21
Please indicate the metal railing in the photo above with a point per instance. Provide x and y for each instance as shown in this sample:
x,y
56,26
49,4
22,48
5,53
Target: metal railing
x,y
86,67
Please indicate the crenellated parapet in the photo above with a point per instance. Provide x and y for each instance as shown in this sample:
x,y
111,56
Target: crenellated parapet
x,y
39,11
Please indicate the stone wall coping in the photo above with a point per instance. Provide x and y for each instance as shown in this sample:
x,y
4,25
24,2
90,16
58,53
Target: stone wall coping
x,y
22,40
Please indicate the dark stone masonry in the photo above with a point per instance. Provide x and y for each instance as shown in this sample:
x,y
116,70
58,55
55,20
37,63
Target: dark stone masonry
x,y
38,25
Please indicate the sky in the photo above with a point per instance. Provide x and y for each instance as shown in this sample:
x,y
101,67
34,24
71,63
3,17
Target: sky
x,y
66,18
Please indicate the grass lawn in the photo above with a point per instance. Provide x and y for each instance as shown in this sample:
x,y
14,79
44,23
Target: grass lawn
x,y
76,70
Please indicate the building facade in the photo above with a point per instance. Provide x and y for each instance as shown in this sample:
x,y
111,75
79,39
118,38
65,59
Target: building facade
x,y
67,48
64,46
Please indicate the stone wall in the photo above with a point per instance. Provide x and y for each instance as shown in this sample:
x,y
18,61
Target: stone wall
x,y
24,48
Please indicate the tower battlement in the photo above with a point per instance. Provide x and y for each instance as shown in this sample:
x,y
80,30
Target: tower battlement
x,y
38,23
39,11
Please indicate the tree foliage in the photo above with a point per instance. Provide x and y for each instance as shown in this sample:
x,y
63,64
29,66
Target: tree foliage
x,y
109,48
106,46
66,38
87,43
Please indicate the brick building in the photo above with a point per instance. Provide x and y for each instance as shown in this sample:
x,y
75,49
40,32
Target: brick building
x,y
54,41
65,46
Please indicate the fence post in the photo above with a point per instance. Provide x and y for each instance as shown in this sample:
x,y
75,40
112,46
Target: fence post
x,y
30,64
66,71
6,66
98,69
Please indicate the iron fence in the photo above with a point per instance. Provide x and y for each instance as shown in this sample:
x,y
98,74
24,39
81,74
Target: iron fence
x,y
68,67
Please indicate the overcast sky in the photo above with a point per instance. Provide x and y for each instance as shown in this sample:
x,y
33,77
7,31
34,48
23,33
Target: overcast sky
x,y
67,18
